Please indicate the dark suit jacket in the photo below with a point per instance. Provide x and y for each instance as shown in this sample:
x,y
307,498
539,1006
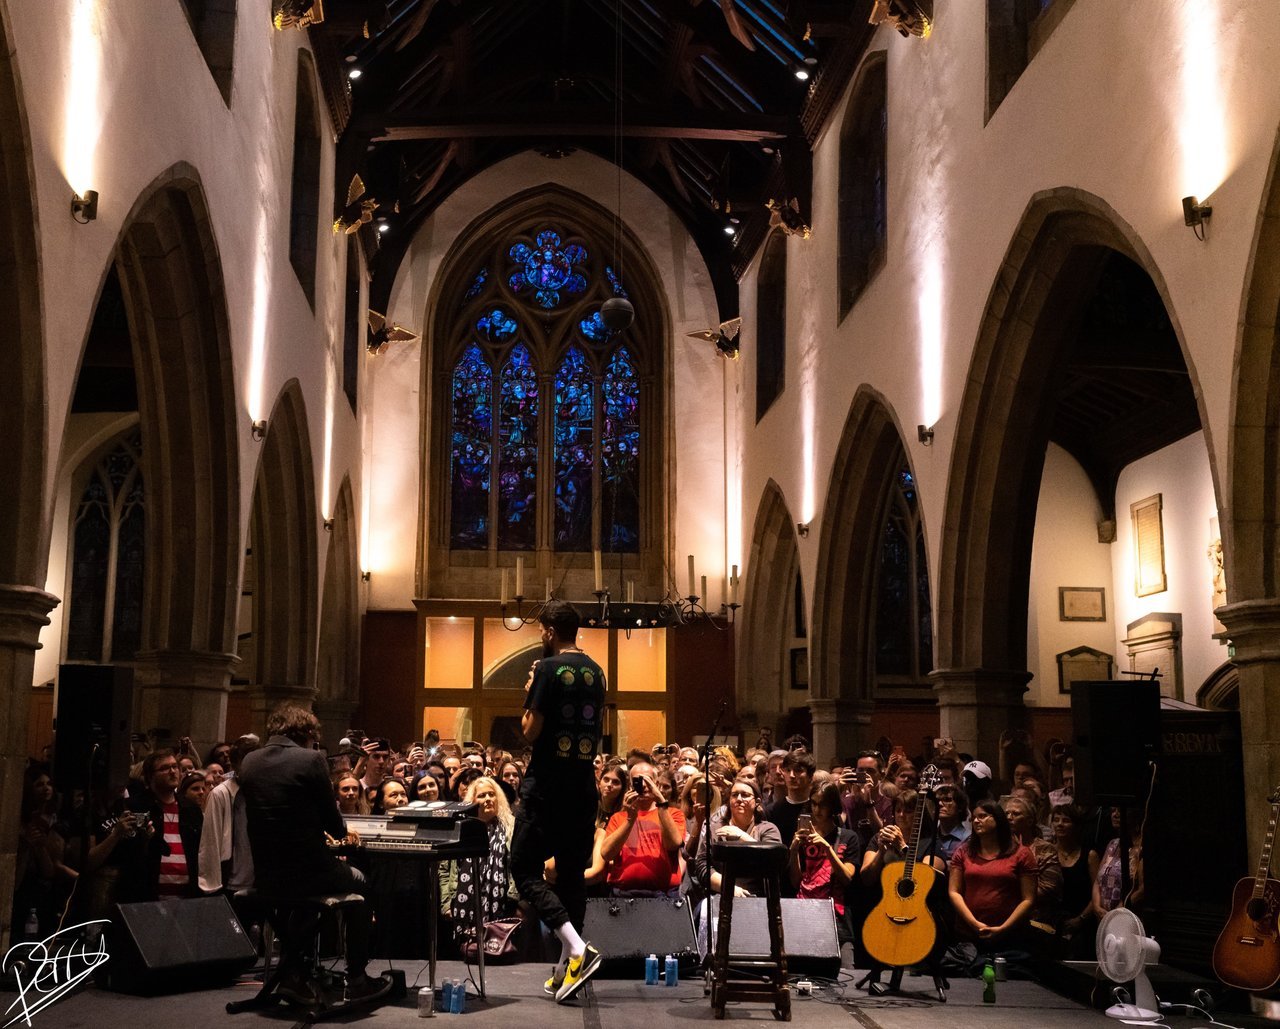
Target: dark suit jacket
x,y
290,806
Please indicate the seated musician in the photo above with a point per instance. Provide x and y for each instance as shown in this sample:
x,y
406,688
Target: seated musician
x,y
496,892
290,811
643,840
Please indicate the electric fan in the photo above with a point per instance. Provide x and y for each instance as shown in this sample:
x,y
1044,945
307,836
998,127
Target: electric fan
x,y
1124,951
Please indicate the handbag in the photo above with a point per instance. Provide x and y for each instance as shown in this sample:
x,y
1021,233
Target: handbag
x,y
499,941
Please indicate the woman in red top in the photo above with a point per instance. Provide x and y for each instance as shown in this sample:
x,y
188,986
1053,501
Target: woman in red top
x,y
993,881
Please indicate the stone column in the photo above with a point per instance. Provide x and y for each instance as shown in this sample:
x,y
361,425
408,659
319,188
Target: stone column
x,y
263,698
975,705
185,691
1253,626
841,728
335,719
24,611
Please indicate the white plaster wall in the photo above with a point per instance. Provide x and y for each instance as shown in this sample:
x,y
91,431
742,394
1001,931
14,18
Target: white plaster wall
x,y
1065,552
1180,473
697,410
1138,104
121,91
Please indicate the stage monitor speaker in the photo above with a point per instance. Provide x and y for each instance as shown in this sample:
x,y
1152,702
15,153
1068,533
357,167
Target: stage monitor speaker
x,y
95,709
627,930
165,946
1116,726
808,933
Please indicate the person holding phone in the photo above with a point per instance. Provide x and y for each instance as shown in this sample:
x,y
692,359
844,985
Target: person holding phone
x,y
644,838
825,859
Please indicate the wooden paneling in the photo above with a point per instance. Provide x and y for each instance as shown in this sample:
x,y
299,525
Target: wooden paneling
x,y
700,673
389,686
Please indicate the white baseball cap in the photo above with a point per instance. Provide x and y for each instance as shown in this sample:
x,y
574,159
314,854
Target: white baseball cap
x,y
979,769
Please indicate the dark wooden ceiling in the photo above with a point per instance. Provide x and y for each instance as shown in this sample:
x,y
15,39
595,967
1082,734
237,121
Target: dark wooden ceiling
x,y
697,98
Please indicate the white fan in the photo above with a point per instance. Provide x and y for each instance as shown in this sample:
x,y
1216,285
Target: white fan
x,y
1124,951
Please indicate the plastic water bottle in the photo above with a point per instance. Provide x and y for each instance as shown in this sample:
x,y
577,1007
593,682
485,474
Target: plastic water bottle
x,y
31,928
458,1002
651,970
446,996
989,979
673,971
426,1002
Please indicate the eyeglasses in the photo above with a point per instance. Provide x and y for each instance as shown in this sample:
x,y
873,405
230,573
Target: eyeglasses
x,y
742,796
166,768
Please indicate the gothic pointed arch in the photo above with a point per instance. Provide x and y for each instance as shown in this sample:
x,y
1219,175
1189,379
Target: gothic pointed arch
x,y
338,653
769,615
549,426
1051,268
282,529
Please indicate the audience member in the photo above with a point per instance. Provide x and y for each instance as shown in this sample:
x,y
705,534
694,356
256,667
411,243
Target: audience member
x,y
643,840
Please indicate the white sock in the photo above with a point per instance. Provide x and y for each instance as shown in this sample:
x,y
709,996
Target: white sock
x,y
570,942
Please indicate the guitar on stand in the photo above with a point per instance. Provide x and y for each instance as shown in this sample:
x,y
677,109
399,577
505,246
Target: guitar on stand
x,y
1247,954
900,930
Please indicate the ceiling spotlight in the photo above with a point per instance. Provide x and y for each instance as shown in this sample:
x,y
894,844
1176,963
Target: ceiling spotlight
x,y
729,230
354,74
802,73
767,151
384,227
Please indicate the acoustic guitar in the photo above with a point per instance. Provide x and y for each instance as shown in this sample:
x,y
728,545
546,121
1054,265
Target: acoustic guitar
x,y
900,929
1247,954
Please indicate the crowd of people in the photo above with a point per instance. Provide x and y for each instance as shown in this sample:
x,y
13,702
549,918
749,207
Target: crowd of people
x,y
1022,868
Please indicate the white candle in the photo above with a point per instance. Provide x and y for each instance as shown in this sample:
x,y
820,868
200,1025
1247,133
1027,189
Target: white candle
x,y
631,591
548,587
733,585
595,555
692,580
519,576
703,594
504,587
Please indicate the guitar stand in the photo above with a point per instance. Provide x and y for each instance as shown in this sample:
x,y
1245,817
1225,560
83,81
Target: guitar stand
x,y
872,984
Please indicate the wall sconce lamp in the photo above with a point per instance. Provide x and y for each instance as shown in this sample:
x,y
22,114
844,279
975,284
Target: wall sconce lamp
x,y
924,433
259,429
1195,214
802,528
328,525
364,576
84,206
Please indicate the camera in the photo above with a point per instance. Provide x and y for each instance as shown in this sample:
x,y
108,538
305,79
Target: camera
x,y
637,784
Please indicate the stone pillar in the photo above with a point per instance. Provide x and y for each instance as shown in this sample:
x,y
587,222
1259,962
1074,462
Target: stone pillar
x,y
841,728
183,690
1253,626
263,698
335,719
975,705
24,611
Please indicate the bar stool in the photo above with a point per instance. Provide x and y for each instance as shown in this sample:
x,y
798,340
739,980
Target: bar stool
x,y
743,977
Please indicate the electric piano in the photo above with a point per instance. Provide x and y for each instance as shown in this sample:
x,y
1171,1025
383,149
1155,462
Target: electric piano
x,y
405,849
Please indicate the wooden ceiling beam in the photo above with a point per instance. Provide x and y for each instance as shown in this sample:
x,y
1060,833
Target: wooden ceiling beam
x,y
523,122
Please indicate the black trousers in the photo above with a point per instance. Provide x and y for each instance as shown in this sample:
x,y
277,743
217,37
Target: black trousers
x,y
556,819
339,877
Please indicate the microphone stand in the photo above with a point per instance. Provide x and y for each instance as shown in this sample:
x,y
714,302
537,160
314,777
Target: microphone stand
x,y
706,822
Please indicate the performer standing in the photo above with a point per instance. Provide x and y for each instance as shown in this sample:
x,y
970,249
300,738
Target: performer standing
x,y
556,819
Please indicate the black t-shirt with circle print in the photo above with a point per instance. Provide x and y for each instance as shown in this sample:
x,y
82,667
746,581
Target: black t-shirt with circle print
x,y
568,691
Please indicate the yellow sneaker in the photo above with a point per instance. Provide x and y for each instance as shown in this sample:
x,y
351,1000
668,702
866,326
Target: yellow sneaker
x,y
579,971
552,985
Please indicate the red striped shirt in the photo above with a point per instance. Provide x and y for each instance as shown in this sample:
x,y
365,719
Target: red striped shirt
x,y
173,866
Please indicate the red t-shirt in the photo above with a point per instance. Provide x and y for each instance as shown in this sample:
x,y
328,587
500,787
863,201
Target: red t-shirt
x,y
992,886
644,863
173,866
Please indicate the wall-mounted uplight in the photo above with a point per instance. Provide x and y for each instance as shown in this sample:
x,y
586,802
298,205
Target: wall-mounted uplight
x,y
384,227
328,525
1195,214
924,433
802,529
364,576
259,429
729,230
84,206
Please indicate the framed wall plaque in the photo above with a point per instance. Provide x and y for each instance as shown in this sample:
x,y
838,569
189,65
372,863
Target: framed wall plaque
x,y
1148,546
799,668
1082,604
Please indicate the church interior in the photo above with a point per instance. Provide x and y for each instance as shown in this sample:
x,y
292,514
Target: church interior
x,y
881,368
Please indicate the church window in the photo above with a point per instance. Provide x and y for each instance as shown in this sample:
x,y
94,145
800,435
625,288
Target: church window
x,y
771,323
863,202
904,629
304,199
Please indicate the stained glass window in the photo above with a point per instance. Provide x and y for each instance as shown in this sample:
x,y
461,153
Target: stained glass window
x,y
615,282
478,284
595,329
497,326
904,627
546,268
620,453
518,463
472,440
574,450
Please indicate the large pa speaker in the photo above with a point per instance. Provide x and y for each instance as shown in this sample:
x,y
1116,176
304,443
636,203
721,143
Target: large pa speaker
x,y
165,946
1117,732
91,738
808,933
627,930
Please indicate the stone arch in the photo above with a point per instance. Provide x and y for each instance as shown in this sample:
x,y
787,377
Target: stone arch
x,y
338,655
842,662
282,528
23,418
171,278
772,567
997,462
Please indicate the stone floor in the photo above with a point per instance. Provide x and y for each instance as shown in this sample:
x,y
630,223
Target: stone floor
x,y
516,999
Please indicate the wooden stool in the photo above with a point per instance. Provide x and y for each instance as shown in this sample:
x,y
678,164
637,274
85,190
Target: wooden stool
x,y
750,978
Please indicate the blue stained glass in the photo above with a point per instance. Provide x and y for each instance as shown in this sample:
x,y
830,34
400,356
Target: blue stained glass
x,y
547,298
547,238
518,460
620,455
471,444
595,329
547,269
497,326
576,284
615,282
477,287
575,253
516,282
519,253
574,433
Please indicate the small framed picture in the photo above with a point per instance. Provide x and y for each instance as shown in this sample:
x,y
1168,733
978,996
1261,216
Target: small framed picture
x,y
799,668
1082,604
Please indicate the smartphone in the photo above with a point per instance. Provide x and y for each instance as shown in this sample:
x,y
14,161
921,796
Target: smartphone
x,y
804,824
637,784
